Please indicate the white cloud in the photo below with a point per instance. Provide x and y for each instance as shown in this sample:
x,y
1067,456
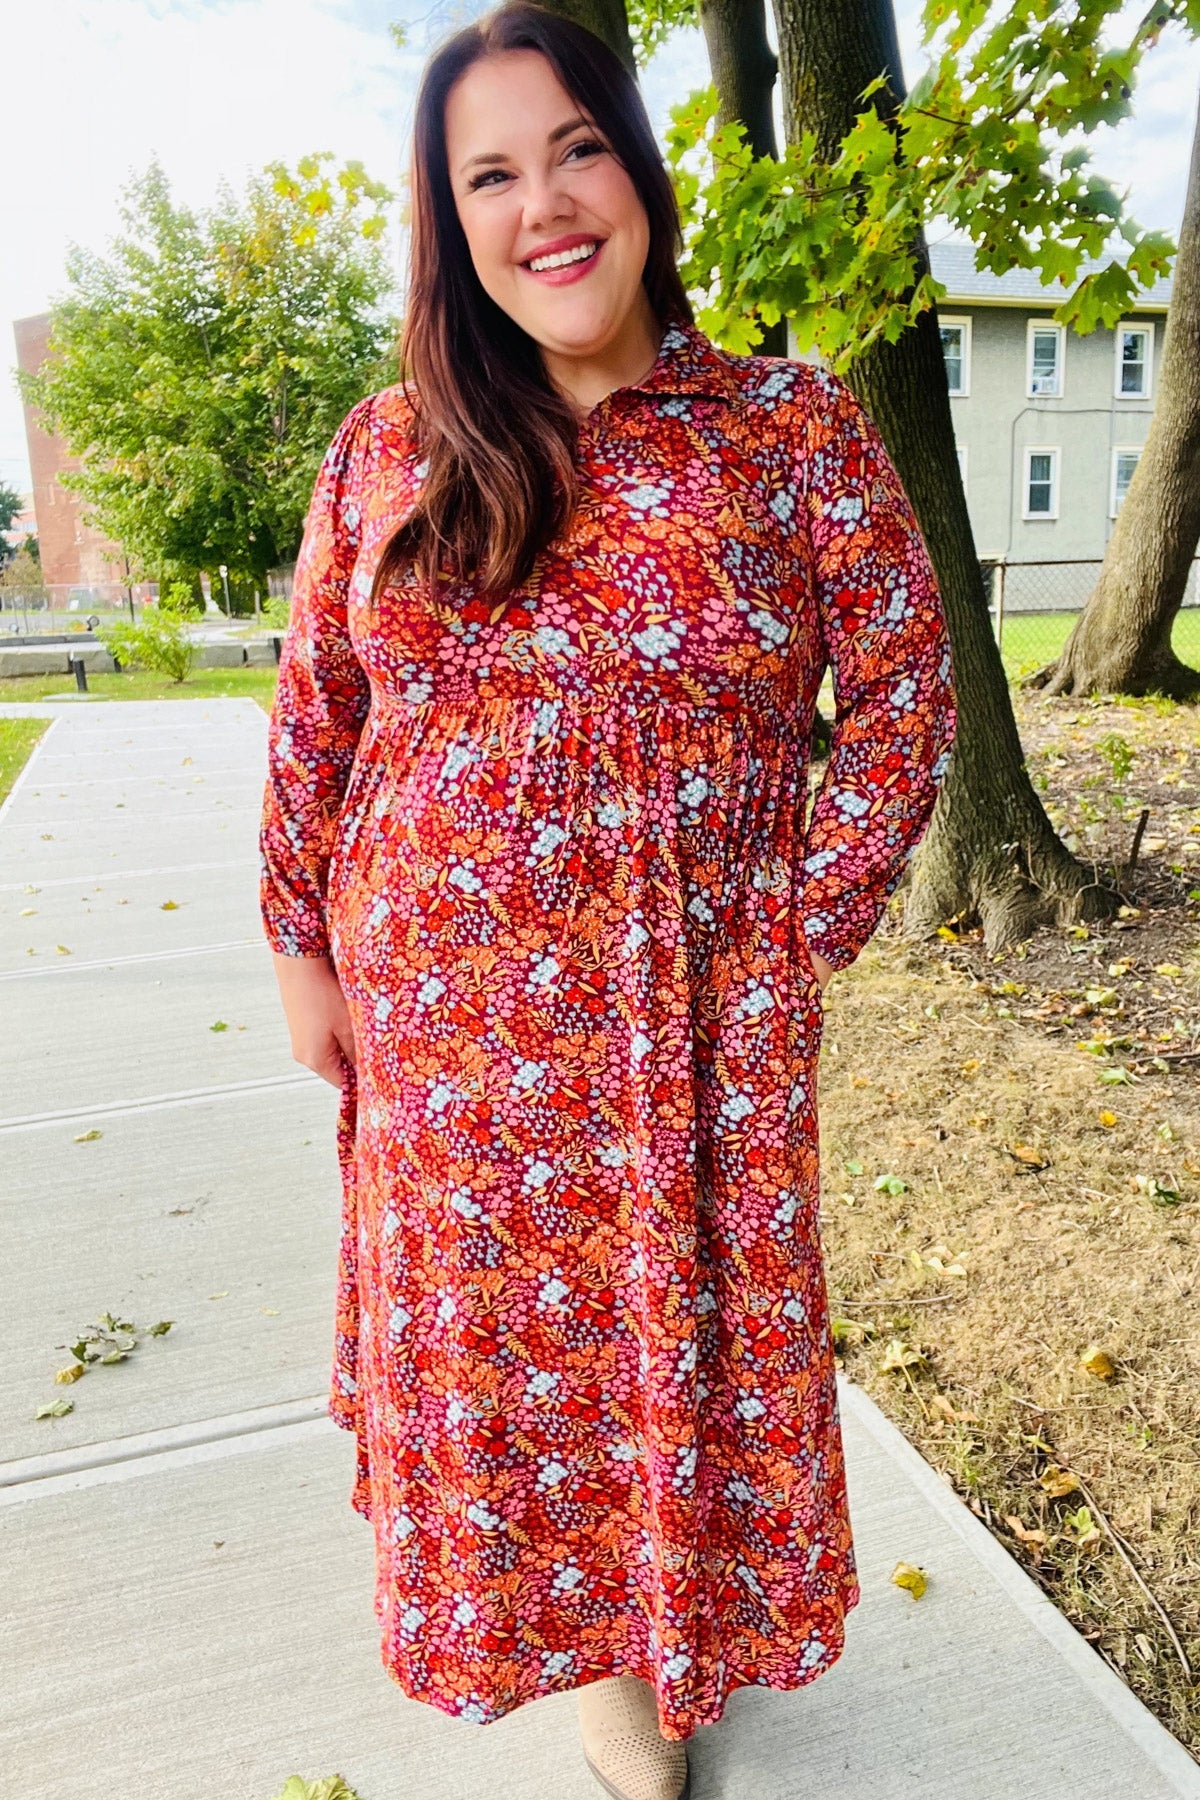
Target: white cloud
x,y
216,88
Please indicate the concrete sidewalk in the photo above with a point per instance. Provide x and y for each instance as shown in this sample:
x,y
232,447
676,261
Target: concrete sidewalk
x,y
188,1591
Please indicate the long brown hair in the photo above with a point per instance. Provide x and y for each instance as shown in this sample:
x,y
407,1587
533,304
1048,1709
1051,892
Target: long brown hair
x,y
498,439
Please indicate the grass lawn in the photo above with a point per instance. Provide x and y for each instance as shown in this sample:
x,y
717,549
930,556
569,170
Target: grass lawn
x,y
1031,639
17,740
136,684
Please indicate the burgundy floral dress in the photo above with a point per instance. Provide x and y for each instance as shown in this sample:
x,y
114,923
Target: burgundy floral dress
x,y
560,860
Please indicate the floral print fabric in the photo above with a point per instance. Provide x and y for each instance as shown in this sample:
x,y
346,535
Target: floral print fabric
x,y
559,859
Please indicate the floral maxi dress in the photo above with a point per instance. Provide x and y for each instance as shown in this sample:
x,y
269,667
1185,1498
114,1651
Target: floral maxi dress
x,y
560,862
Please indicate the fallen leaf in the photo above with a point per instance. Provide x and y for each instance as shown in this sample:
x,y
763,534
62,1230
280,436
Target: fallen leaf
x,y
1108,1118
219,1026
1025,1153
85,1137
1098,1362
910,1577
54,1409
72,1372
1057,1481
169,906
900,1355
333,1787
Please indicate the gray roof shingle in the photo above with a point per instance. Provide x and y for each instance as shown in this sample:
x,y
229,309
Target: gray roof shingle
x,y
954,265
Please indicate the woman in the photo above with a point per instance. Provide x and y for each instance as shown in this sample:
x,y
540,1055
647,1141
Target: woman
x,y
535,871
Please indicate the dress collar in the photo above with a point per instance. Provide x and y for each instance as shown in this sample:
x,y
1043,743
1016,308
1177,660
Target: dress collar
x,y
688,362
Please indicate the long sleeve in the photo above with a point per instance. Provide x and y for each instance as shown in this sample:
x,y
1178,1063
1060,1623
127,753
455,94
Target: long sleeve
x,y
320,707
884,634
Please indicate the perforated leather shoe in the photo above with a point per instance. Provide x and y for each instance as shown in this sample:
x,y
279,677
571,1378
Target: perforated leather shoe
x,y
622,1744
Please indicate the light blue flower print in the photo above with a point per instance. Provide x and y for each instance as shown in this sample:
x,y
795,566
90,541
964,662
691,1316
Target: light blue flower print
x,y
411,1619
402,1528
738,1488
770,630
657,642
648,497
466,1205
540,1382
676,1666
736,1106
463,876
777,384
818,862
783,504
441,1096
700,909
538,1173
384,1009
640,1046
552,1291
786,1210
399,1320
473,1711
849,805
528,1075
464,1613
430,990
685,1362
692,789
545,718
568,1579
544,972
904,694
557,1662
551,1473
848,509
379,912
751,1580
610,815
481,1515
549,837
636,935
759,1000
553,642
750,1407
795,1310
446,1309
814,1652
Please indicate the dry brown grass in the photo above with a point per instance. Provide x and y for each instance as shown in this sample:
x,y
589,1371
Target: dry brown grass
x,y
1073,1203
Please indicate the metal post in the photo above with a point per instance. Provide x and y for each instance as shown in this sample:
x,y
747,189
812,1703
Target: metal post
x,y
77,663
998,584
223,572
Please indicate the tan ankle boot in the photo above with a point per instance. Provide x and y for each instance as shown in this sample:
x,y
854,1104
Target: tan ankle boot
x,y
626,1752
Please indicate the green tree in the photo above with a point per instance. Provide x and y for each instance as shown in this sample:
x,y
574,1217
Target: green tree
x,y
202,365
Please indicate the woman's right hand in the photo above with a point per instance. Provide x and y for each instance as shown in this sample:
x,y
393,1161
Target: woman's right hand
x,y
317,1015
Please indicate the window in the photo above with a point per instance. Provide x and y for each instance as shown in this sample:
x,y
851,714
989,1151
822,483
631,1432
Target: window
x,y
1135,357
1044,367
961,453
956,349
1041,484
1124,462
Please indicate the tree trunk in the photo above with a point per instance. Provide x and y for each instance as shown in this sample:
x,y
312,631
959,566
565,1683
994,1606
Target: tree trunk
x,y
744,68
1121,643
607,18
990,855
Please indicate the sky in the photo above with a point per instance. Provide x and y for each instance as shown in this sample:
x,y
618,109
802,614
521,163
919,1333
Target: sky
x,y
217,88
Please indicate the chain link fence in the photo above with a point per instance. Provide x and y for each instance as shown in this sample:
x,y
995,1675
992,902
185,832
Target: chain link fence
x,y
1034,606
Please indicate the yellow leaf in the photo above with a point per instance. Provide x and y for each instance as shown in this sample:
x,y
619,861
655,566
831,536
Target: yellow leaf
x,y
900,1355
1035,1540
62,949
1171,969
170,906
72,1372
1098,1362
85,1137
1057,1481
910,1577
1108,1118
1025,1153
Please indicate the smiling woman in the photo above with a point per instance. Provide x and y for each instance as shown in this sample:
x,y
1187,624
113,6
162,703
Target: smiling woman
x,y
536,872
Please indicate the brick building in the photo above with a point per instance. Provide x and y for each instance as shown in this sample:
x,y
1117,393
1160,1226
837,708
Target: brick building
x,y
73,555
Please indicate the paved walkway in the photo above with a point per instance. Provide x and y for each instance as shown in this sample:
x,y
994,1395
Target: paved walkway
x,y
188,1591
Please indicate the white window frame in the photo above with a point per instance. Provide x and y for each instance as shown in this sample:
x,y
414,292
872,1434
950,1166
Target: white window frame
x,y
1146,327
1060,333
1054,452
963,322
1119,450
960,451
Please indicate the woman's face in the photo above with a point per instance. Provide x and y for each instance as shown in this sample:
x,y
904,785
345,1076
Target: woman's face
x,y
532,176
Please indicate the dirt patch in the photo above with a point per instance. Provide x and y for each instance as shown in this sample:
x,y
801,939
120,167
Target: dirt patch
x,y
1011,1204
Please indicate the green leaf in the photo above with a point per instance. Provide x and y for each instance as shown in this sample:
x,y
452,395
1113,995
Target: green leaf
x,y
54,1409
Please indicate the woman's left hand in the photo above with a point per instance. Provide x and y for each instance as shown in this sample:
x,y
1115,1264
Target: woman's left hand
x,y
824,971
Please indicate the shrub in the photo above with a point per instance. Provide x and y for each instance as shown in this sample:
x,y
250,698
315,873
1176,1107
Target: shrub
x,y
158,642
